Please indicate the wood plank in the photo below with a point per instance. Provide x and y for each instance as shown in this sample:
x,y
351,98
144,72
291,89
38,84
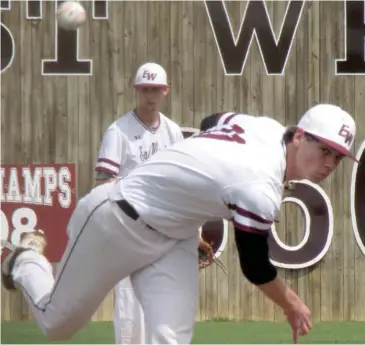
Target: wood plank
x,y
255,66
98,124
25,85
176,72
326,95
358,305
119,86
164,42
188,105
345,96
313,95
200,62
12,124
129,56
279,113
40,135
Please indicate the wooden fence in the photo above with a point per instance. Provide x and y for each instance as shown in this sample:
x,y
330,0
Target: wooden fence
x,y
60,118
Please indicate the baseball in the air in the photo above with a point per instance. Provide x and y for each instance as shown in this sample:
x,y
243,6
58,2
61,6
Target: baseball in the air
x,y
70,15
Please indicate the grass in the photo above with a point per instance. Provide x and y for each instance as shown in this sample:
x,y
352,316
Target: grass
x,y
211,332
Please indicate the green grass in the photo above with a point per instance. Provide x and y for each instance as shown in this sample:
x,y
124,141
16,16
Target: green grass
x,y
212,332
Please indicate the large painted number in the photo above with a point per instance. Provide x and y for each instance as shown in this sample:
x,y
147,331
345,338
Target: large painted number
x,y
7,48
317,211
24,220
66,61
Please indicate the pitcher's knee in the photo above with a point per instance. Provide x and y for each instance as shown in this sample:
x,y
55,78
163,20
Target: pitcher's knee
x,y
59,331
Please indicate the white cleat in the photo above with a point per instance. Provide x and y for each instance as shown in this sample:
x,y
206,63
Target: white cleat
x,y
34,240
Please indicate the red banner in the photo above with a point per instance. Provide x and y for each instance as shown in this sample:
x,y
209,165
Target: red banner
x,y
37,196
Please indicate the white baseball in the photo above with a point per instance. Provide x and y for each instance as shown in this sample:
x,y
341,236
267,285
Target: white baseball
x,y
70,15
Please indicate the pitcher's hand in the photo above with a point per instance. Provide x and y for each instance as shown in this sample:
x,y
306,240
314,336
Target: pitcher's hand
x,y
299,319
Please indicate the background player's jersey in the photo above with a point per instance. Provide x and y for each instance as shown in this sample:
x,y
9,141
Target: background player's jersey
x,y
128,142
233,171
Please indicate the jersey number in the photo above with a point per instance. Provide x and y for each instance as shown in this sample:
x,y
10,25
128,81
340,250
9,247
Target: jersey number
x,y
233,133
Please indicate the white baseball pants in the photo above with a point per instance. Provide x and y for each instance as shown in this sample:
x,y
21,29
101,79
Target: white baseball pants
x,y
128,315
108,246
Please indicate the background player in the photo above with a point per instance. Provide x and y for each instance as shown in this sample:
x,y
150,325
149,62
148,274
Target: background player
x,y
130,140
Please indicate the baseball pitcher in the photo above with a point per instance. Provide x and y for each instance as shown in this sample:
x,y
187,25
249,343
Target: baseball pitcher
x,y
146,225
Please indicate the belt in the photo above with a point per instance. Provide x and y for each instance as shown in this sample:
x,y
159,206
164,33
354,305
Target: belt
x,y
130,211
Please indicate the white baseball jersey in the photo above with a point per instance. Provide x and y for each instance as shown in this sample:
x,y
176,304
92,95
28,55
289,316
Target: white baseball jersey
x,y
233,171
129,142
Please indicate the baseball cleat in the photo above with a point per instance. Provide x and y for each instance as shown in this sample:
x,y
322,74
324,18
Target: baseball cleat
x,y
34,240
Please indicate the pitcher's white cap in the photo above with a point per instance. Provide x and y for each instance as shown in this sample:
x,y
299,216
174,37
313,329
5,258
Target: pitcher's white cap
x,y
151,74
331,125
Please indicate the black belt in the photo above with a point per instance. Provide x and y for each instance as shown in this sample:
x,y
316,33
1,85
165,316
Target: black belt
x,y
130,211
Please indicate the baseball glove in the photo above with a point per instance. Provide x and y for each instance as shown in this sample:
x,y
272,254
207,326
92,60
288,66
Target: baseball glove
x,y
207,257
206,254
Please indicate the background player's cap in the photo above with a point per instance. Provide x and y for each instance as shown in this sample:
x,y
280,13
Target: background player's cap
x,y
331,125
151,74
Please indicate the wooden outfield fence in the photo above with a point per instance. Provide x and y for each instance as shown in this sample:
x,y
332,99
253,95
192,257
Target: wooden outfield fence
x,y
61,90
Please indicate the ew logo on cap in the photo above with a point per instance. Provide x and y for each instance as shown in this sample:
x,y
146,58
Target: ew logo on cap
x,y
149,76
346,133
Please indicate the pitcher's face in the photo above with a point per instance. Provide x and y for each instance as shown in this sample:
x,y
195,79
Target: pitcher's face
x,y
314,159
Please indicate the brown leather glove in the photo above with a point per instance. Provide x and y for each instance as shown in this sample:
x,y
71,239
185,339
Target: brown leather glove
x,y
206,254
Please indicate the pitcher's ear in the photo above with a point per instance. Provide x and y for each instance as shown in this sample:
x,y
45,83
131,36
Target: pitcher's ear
x,y
298,137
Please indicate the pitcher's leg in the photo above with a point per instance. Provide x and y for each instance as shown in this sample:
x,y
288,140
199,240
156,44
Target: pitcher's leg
x,y
103,252
168,291
84,277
